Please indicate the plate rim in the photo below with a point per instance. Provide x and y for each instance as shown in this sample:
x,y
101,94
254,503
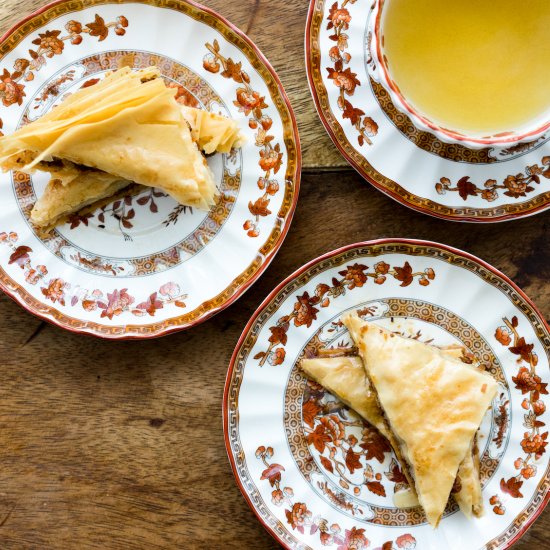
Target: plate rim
x,y
300,271
355,165
56,317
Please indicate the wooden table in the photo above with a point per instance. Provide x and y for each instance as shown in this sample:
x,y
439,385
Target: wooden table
x,y
120,445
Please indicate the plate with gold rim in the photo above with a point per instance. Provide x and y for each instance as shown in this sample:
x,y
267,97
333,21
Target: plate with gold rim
x,y
445,180
313,472
143,265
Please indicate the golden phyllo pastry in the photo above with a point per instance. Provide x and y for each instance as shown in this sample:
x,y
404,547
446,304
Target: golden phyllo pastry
x,y
432,403
345,378
127,125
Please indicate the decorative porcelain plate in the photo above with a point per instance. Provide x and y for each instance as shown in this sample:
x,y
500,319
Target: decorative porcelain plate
x,y
313,472
445,180
144,266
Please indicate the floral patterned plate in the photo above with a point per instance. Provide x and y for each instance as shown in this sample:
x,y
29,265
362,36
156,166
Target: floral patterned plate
x,y
143,265
313,472
415,168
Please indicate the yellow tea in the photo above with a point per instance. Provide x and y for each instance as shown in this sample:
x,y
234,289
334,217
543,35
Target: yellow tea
x,y
477,66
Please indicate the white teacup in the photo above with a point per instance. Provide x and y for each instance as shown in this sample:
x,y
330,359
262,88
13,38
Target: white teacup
x,y
531,130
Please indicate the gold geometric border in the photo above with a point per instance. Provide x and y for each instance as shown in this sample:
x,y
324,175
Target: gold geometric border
x,y
292,177
293,283
393,189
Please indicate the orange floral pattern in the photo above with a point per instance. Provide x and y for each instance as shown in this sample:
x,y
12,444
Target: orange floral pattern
x,y
340,452
49,44
527,381
299,517
252,104
515,186
339,19
306,307
110,304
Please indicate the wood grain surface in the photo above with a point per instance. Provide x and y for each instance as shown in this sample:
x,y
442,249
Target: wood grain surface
x,y
108,445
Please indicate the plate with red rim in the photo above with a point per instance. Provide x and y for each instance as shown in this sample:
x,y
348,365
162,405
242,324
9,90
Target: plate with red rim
x,y
144,266
414,167
313,472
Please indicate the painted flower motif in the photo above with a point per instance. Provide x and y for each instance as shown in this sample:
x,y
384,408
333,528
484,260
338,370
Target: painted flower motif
x,y
382,268
354,540
334,428
210,63
118,301
430,273
489,195
89,305
534,170
50,42
74,27
539,407
529,471
55,291
10,91
247,100
516,185
355,275
272,187
21,65
297,516
305,311
32,276
170,290
406,541
271,159
503,335
277,497
272,473
525,380
276,357
334,53
370,127
535,444
340,16
346,80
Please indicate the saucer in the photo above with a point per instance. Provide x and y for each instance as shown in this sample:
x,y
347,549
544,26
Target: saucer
x,y
444,180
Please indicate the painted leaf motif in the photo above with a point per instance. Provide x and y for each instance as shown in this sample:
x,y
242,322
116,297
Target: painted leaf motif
x,y
20,256
512,487
376,487
522,349
375,446
466,188
327,464
272,473
352,460
98,28
318,438
404,274
310,410
278,335
394,473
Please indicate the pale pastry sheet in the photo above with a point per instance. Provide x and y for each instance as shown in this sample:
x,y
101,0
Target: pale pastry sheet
x,y
434,406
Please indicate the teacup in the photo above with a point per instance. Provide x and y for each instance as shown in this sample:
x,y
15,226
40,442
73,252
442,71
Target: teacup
x,y
469,72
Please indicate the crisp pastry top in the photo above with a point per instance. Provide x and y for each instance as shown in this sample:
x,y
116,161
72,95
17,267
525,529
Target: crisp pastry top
x,y
345,377
434,405
128,125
